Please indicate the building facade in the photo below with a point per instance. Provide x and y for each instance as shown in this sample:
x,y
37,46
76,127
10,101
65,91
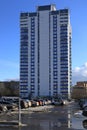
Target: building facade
x,y
79,90
9,88
45,52
81,84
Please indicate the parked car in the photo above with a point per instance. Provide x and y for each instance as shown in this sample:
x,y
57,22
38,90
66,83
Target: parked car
x,y
85,110
24,104
82,103
3,108
57,102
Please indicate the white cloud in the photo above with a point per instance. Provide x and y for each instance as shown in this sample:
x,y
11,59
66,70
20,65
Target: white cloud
x,y
79,73
76,70
85,64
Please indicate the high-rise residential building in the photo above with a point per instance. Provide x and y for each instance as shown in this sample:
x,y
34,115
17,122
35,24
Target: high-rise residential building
x,y
45,52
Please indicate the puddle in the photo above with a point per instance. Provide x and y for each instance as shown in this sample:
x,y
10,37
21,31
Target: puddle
x,y
79,122
62,118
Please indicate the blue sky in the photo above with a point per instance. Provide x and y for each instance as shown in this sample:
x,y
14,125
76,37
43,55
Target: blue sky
x,y
10,34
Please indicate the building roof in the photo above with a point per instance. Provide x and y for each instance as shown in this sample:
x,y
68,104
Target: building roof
x,y
46,7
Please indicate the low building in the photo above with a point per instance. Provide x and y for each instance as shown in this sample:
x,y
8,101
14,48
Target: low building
x,y
81,84
80,90
8,88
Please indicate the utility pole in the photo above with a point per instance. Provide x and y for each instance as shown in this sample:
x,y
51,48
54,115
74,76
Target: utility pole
x,y
19,113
